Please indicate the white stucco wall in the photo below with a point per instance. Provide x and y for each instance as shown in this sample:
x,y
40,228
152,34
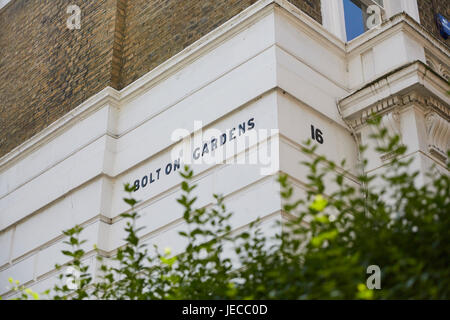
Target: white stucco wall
x,y
272,64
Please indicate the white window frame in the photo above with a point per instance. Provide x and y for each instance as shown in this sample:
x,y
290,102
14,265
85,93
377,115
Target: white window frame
x,y
334,20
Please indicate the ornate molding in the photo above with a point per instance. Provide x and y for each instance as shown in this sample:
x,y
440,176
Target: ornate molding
x,y
437,120
391,122
397,102
438,131
437,65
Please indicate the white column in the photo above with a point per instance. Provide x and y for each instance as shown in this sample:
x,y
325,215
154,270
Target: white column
x,y
333,17
396,6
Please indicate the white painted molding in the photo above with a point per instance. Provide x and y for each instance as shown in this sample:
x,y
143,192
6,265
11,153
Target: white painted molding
x,y
107,95
386,93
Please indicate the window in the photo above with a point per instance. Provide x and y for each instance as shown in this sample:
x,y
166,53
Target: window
x,y
357,16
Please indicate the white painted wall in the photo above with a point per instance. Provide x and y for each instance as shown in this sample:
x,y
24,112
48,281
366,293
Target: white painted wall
x,y
270,63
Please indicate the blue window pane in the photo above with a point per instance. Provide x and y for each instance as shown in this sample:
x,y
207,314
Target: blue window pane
x,y
354,21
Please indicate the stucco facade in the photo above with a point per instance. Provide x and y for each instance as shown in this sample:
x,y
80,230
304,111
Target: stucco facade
x,y
272,70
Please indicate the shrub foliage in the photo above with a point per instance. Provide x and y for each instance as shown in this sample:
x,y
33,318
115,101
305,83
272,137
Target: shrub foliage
x,y
322,249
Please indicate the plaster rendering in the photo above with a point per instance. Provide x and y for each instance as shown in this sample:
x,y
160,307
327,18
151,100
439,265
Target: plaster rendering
x,y
271,67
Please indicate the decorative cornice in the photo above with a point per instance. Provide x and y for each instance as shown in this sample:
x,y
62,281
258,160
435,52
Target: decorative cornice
x,y
394,104
438,65
437,121
414,83
391,121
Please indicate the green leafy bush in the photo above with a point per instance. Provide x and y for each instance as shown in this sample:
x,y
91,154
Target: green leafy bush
x,y
323,248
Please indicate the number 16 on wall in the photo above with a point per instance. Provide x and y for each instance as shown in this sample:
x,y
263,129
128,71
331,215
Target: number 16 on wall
x,y
316,134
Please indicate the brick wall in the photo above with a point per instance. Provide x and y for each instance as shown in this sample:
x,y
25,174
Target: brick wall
x,y
47,70
159,28
428,10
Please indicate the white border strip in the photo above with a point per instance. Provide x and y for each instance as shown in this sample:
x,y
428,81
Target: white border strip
x,y
4,3
107,95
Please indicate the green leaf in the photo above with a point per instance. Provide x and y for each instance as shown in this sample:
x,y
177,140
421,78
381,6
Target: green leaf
x,y
319,203
130,201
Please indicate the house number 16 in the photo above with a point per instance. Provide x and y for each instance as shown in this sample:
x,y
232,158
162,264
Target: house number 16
x,y
316,134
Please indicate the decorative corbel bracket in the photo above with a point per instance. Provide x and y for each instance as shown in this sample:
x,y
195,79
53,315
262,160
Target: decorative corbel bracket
x,y
391,122
438,131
